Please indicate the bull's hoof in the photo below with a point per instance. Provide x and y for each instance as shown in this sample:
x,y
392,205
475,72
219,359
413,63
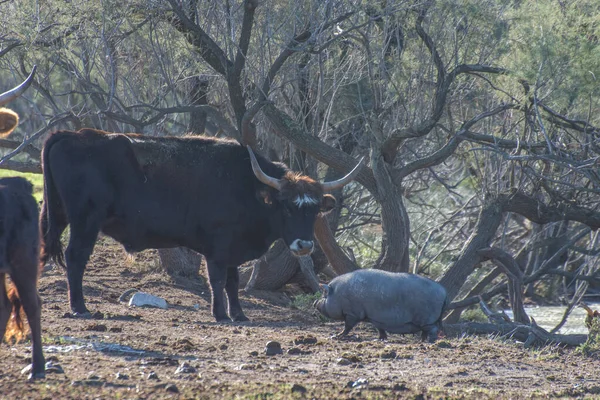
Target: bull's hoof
x,y
33,374
83,315
36,376
240,318
223,320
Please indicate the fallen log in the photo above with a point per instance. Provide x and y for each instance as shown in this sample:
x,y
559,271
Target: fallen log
x,y
529,335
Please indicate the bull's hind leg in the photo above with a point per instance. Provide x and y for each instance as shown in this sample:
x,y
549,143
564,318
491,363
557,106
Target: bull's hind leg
x,y
231,288
81,246
26,284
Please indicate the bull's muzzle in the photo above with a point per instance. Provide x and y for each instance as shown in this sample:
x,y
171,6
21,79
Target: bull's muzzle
x,y
302,247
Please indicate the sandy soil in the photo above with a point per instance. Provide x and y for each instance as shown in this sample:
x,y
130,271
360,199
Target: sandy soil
x,y
181,352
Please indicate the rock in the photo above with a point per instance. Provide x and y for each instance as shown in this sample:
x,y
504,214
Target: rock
x,y
122,376
123,298
54,368
141,299
309,339
273,348
115,329
358,383
294,351
185,368
254,353
97,315
152,375
93,377
96,327
343,361
298,389
388,354
171,388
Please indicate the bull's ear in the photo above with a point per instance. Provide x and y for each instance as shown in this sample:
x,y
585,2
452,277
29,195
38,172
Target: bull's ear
x,y
328,203
265,196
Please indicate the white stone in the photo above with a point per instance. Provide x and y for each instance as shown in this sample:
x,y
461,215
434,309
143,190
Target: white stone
x,y
141,299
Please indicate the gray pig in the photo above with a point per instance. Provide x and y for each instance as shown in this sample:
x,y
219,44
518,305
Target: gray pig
x,y
392,302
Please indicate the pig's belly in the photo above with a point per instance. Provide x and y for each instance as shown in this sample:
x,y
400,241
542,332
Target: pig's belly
x,y
394,320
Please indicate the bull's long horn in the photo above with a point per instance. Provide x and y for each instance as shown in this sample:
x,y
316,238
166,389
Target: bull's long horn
x,y
333,185
12,94
260,174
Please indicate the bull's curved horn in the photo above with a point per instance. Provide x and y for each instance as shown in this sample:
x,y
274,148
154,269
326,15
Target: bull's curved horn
x,y
259,173
333,185
12,94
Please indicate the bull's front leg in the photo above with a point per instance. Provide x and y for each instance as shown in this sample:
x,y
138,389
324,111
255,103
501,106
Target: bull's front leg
x,y
232,287
217,277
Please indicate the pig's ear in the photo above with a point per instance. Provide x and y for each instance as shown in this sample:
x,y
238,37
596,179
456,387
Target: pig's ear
x,y
324,289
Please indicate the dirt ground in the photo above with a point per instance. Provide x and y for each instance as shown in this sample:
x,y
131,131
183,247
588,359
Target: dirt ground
x,y
143,353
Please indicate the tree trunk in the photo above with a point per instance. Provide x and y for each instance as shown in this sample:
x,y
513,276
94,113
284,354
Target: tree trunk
x,y
181,261
274,269
487,225
395,223
198,96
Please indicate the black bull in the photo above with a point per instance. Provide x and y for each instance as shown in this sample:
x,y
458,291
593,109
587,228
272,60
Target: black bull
x,y
210,195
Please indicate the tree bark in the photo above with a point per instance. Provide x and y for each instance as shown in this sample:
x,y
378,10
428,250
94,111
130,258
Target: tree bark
x,y
198,96
265,277
181,261
487,225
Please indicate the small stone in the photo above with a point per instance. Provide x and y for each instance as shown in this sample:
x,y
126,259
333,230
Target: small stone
x,y
343,361
96,327
54,368
171,388
223,346
298,389
294,351
273,348
122,376
97,315
254,353
115,329
92,376
185,368
399,387
152,376
388,355
359,383
444,344
141,299
67,315
305,340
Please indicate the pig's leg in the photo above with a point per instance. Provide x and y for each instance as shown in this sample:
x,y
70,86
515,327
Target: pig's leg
x,y
382,334
350,322
429,333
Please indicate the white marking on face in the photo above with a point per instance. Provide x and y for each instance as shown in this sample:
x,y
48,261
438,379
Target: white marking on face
x,y
305,199
302,247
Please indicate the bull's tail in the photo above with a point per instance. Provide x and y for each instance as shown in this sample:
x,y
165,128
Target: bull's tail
x,y
53,219
15,328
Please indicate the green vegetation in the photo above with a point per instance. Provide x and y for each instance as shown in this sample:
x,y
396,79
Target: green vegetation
x,y
305,302
592,346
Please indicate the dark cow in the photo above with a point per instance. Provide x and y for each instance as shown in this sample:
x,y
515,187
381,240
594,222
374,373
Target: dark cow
x,y
19,250
210,195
